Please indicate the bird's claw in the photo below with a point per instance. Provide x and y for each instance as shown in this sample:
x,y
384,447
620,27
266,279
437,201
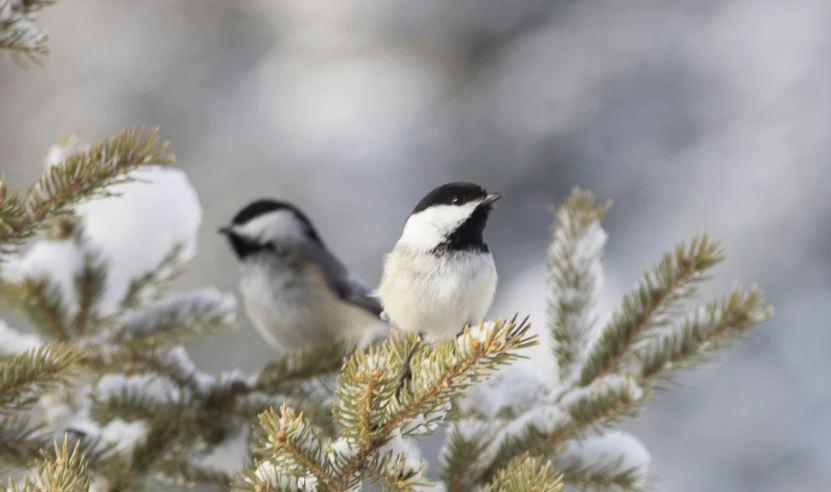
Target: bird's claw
x,y
404,375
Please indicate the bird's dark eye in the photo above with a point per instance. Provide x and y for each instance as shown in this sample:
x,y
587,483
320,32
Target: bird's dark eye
x,y
456,200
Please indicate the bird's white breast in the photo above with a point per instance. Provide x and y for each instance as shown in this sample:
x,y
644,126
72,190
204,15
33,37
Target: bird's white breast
x,y
437,295
293,308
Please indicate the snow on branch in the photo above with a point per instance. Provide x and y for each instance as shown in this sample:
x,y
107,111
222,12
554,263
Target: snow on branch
x,y
15,343
509,393
576,277
82,175
19,36
178,319
613,461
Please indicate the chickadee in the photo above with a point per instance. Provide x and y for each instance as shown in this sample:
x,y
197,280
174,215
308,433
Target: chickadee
x,y
440,276
295,291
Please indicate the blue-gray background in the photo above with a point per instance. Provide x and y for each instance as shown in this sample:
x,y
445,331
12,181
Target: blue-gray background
x,y
689,114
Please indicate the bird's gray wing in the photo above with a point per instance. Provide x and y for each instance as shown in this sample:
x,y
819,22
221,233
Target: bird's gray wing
x,y
343,283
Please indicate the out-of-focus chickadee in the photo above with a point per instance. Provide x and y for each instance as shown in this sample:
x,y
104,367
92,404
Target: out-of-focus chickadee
x,y
296,293
440,276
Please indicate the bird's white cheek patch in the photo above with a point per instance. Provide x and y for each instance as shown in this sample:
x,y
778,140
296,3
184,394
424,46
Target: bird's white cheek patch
x,y
429,228
274,225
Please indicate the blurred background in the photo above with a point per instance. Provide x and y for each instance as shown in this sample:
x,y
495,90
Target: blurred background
x,y
691,115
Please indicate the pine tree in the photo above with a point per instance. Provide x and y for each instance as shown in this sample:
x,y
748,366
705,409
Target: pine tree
x,y
103,396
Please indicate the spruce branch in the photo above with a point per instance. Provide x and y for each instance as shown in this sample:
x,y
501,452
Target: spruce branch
x,y
131,405
178,319
20,440
293,444
151,286
135,470
86,175
171,363
22,443
450,368
61,471
41,301
90,284
62,228
599,476
652,304
12,213
396,466
464,452
441,373
575,275
178,472
718,325
611,462
19,36
510,393
101,457
525,475
26,377
317,410
284,374
544,429
268,477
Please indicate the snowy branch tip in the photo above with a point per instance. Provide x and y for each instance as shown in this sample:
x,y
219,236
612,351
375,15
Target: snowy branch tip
x,y
19,35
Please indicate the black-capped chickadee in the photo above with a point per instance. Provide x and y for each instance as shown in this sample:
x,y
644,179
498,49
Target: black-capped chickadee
x,y
440,276
296,293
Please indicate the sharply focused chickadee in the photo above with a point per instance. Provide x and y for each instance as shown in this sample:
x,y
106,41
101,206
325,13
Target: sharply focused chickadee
x,y
440,276
295,291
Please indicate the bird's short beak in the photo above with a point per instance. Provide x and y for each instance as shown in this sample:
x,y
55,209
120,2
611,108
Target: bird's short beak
x,y
225,230
493,198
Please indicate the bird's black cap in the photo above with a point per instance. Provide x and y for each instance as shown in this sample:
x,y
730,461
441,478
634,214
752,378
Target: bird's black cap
x,y
263,206
451,194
